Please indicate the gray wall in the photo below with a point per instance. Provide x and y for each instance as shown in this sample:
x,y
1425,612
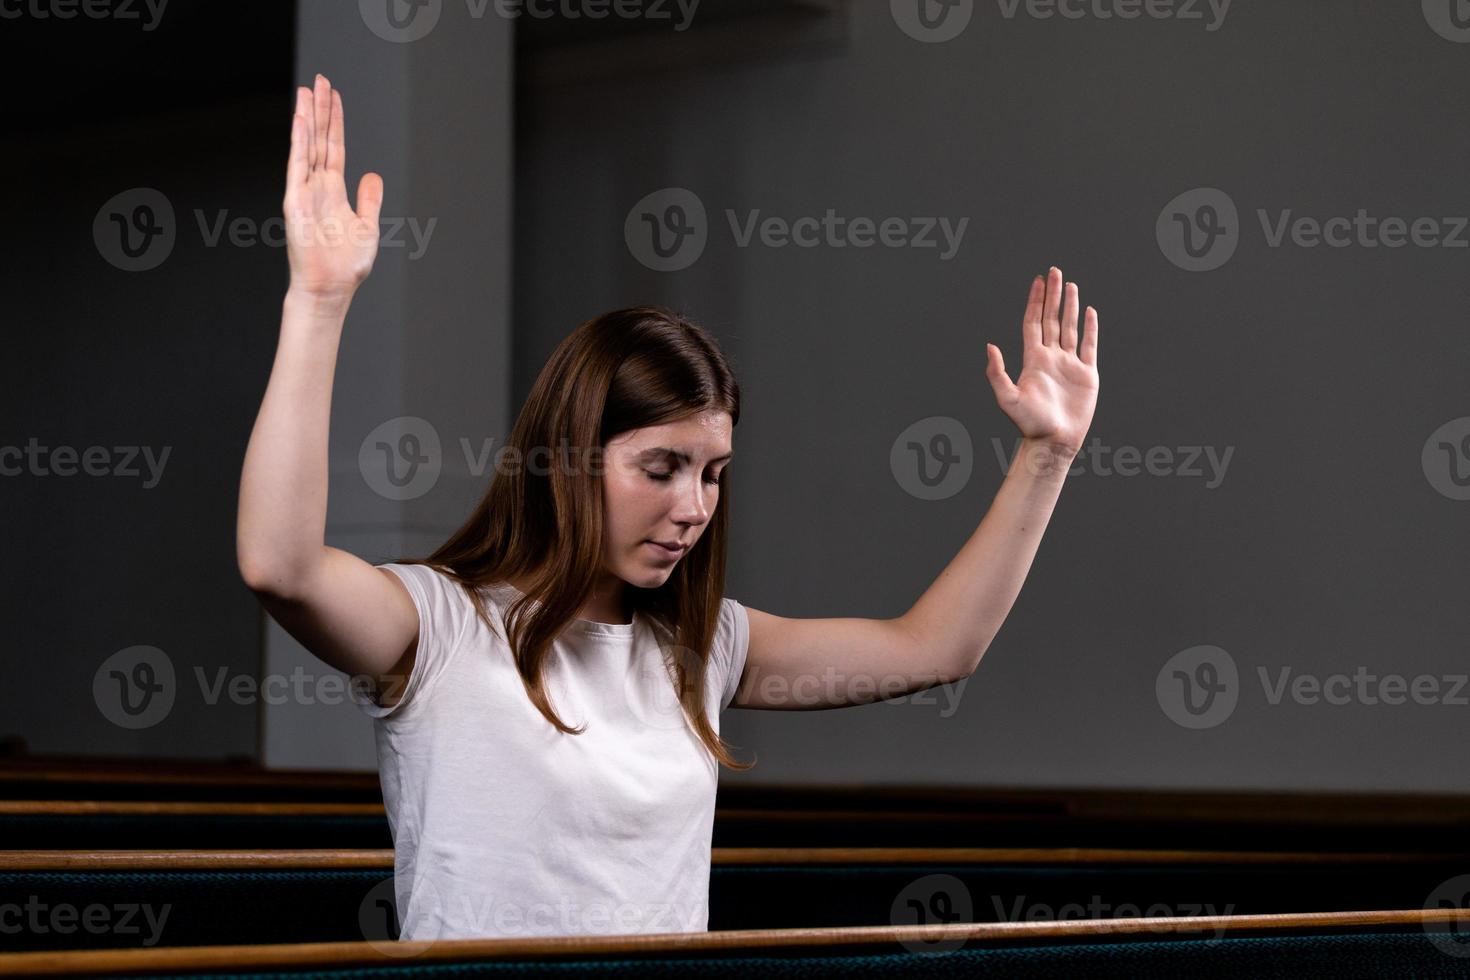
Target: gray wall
x,y
1325,547
1333,542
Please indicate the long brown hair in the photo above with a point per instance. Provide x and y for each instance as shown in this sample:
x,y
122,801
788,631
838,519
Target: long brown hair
x,y
631,368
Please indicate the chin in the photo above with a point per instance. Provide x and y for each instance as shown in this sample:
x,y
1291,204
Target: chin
x,y
652,577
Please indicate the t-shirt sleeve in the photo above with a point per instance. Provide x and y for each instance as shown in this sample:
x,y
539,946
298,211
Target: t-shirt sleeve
x,y
444,614
735,643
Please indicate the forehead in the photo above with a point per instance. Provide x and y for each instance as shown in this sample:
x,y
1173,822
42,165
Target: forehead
x,y
703,436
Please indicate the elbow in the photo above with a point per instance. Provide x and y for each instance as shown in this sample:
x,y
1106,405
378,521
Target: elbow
x,y
266,577
270,566
966,666
257,577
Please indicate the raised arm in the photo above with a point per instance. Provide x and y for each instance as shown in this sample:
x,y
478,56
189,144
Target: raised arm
x,y
351,615
831,663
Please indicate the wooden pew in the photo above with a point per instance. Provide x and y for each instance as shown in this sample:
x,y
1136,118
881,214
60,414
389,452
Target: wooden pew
x,y
231,896
1367,943
142,824
95,778
751,814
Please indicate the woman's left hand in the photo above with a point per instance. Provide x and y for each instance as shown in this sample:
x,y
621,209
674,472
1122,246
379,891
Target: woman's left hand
x,y
1053,399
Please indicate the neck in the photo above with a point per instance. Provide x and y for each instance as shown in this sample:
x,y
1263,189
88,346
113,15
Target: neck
x,y
606,604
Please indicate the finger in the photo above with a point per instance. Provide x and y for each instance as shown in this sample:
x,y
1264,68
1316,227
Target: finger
x,y
1069,319
297,164
336,138
1031,321
1089,338
995,370
370,198
322,103
310,113
1050,323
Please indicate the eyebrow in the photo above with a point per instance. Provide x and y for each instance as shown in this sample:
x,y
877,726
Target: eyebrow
x,y
662,451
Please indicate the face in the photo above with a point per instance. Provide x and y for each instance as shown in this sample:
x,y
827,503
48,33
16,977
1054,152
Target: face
x,y
661,484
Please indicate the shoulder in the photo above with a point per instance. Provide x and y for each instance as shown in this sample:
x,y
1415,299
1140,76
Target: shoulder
x,y
428,584
734,619
732,643
442,598
446,615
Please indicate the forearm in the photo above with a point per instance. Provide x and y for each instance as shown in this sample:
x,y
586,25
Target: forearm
x,y
959,615
281,526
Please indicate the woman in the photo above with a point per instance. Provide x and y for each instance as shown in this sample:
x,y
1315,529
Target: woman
x,y
589,585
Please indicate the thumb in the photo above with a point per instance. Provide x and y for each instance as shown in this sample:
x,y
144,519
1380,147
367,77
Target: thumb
x,y
995,370
370,197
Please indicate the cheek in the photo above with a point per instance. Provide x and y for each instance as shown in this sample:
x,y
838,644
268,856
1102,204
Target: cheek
x,y
632,503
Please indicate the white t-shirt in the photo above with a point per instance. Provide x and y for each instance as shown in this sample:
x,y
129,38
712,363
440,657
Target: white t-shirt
x,y
505,827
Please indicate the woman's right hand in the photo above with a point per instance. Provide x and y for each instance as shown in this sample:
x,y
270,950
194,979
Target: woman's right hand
x,y
330,246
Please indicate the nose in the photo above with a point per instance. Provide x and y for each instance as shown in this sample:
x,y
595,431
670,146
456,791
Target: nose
x,y
694,503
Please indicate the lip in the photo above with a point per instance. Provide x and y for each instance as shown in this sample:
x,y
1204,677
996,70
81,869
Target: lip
x,y
666,552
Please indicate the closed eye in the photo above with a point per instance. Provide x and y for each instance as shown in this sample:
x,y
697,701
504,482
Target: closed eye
x,y
665,477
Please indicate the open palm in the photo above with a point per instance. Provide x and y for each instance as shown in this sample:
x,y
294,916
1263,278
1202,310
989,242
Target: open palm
x,y
331,247
1053,399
